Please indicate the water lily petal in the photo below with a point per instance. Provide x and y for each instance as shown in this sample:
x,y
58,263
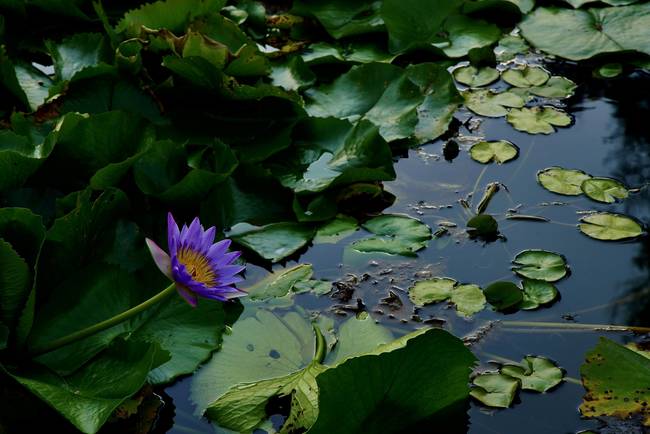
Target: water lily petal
x,y
160,257
173,234
187,295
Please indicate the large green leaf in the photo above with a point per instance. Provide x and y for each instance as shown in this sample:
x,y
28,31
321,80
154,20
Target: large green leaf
x,y
280,282
80,56
615,379
341,17
538,120
19,158
88,397
416,102
390,391
395,234
273,242
15,282
581,34
610,227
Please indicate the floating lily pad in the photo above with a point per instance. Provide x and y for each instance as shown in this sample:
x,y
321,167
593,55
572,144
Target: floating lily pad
x,y
431,290
616,380
535,373
396,235
606,190
503,295
337,229
537,120
273,242
555,87
537,293
280,282
581,34
562,181
509,46
483,225
492,104
609,70
494,390
499,151
469,299
476,77
540,265
528,76
610,227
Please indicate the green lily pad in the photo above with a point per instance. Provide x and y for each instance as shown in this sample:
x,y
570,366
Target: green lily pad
x,y
280,282
606,190
494,390
535,373
537,120
503,295
341,18
469,299
396,235
499,151
431,290
540,265
537,293
581,34
475,77
492,104
615,379
562,181
292,74
356,336
273,242
337,229
609,70
555,87
527,76
610,227
317,287
509,46
483,225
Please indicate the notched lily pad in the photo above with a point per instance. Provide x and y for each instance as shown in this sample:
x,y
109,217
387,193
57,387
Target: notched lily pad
x,y
494,390
610,227
537,120
499,151
562,181
476,77
606,190
492,104
540,265
555,87
468,298
395,235
528,76
535,373
537,293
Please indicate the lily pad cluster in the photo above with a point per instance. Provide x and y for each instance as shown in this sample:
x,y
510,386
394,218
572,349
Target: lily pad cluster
x,y
467,298
498,389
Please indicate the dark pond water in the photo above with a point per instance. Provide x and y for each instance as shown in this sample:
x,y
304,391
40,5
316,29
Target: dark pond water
x,y
608,284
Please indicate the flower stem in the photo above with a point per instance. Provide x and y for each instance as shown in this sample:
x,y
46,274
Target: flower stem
x,y
103,325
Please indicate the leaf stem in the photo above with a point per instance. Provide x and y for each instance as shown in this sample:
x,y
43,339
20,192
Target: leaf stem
x,y
103,325
574,326
321,346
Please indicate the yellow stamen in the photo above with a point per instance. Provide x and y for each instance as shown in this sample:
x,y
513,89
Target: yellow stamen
x,y
197,265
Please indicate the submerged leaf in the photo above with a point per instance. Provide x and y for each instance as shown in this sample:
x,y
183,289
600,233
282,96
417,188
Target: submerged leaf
x,y
537,120
562,181
610,227
500,151
540,265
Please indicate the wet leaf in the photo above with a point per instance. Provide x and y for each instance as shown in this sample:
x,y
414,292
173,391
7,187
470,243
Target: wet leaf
x,y
562,181
396,235
476,77
469,299
494,390
537,120
431,290
280,282
555,87
273,242
337,229
537,293
615,379
606,190
535,373
500,151
358,335
610,227
292,74
581,34
492,104
527,76
503,295
540,265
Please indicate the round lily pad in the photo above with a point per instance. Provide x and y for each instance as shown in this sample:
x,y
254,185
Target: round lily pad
x,y
503,295
492,104
562,181
431,290
535,373
483,225
537,120
606,190
610,227
526,77
555,87
540,265
499,151
494,390
469,299
537,293
475,77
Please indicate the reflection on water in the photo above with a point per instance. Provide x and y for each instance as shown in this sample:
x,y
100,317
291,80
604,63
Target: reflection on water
x,y
609,282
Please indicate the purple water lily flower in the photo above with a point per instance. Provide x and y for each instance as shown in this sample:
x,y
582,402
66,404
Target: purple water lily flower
x,y
199,266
